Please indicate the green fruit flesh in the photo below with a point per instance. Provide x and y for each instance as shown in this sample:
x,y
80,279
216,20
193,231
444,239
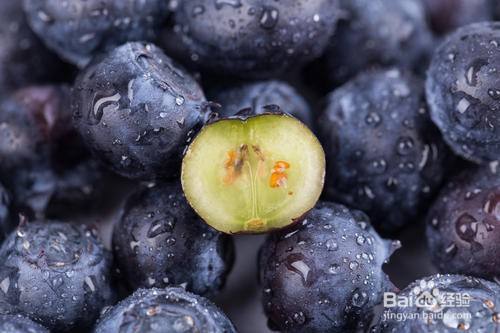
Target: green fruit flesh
x,y
253,175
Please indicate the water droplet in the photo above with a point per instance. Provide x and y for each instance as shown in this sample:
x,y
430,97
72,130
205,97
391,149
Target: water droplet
x,y
179,100
359,298
463,105
295,263
466,227
331,245
334,269
233,3
405,145
269,18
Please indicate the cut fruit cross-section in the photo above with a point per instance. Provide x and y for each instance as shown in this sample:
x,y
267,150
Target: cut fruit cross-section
x,y
253,174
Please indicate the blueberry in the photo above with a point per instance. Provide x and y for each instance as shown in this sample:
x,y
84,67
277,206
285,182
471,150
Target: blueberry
x,y
462,91
461,225
384,155
59,274
164,310
447,15
378,32
80,29
257,95
455,303
23,57
135,109
160,241
19,324
252,37
38,163
324,275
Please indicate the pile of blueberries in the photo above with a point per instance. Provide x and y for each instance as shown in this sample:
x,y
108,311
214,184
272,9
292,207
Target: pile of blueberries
x,y
404,96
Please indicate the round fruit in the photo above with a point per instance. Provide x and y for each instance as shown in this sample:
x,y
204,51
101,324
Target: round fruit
x,y
24,59
135,109
252,37
253,174
42,161
164,310
463,94
159,241
378,33
324,275
384,155
463,226
58,274
78,29
259,94
452,303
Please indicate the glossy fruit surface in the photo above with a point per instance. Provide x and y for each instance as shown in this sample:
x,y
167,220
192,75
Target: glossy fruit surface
x,y
159,241
250,38
463,225
463,94
324,274
79,29
457,303
164,310
58,274
384,156
135,109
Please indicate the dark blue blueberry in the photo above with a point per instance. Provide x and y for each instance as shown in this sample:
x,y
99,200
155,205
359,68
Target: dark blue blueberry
x,y
41,161
258,94
463,91
159,241
23,57
463,224
250,38
164,310
19,324
79,29
325,274
58,274
136,110
378,33
445,304
383,154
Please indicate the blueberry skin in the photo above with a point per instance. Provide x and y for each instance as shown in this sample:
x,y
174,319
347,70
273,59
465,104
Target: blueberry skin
x,y
385,156
81,29
164,310
462,94
258,94
378,33
19,324
136,109
462,225
252,38
24,59
38,163
333,246
58,274
447,15
159,241
484,297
